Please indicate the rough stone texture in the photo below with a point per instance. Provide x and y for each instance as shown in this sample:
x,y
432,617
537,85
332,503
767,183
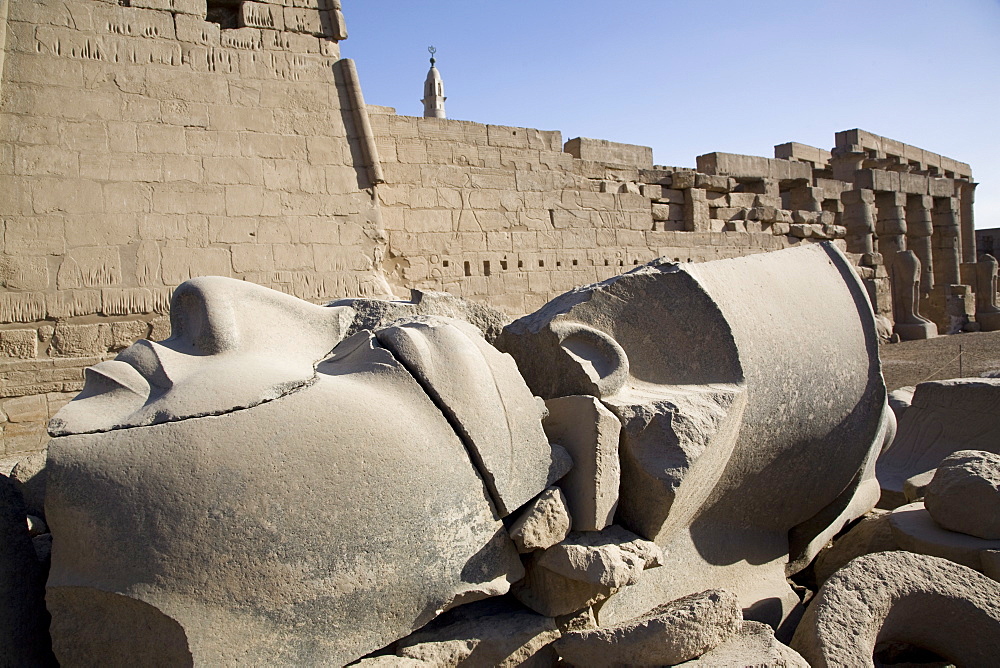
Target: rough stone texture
x,y
485,399
543,523
871,534
589,431
946,416
30,476
669,634
717,465
484,635
964,494
754,645
914,529
313,528
613,557
555,595
24,640
378,313
901,597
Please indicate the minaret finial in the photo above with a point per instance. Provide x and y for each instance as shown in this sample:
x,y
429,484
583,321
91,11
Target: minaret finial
x,y
431,50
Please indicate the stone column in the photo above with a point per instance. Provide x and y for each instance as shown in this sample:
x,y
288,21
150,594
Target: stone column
x,y
845,161
919,228
945,244
696,212
859,219
967,195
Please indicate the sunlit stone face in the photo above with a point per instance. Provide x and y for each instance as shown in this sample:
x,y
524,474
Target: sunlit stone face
x,y
256,490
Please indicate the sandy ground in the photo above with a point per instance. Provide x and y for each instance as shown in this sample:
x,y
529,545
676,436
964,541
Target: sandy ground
x,y
956,356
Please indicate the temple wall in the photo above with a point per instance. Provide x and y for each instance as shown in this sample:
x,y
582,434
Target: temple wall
x,y
142,146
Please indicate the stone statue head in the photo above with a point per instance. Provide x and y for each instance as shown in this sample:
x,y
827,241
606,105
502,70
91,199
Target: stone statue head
x,y
257,489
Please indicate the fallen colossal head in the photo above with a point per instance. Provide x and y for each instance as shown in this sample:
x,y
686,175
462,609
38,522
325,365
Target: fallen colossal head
x,y
261,488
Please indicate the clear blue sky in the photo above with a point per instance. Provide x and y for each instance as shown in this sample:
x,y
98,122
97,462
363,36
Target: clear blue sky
x,y
691,77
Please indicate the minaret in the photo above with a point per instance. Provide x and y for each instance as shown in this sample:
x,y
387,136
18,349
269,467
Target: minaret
x,y
433,91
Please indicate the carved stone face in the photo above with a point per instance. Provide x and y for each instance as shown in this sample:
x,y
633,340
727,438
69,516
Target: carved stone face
x,y
256,490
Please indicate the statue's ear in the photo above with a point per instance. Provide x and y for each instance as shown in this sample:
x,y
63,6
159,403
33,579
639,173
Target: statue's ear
x,y
598,356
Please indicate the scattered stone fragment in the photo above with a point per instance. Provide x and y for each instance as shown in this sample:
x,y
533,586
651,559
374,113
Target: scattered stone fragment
x,y
900,399
754,645
669,634
914,529
946,416
553,594
590,432
543,523
964,494
577,621
925,601
613,557
871,534
31,475
485,634
916,486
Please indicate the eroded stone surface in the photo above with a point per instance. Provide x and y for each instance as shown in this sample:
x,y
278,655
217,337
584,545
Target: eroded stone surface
x,y
900,596
669,634
754,645
964,494
543,523
484,635
946,416
613,557
375,314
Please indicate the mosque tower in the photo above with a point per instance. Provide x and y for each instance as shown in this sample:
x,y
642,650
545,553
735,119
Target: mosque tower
x,y
433,91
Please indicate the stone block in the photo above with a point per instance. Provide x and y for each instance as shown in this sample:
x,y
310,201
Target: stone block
x,y
197,30
261,15
26,409
24,273
748,166
22,306
589,431
79,340
18,343
601,150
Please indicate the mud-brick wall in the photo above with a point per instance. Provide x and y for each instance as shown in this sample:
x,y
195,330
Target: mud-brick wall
x,y
506,215
143,145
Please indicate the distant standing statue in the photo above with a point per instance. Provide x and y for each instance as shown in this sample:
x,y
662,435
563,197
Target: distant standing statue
x,y
905,272
987,312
